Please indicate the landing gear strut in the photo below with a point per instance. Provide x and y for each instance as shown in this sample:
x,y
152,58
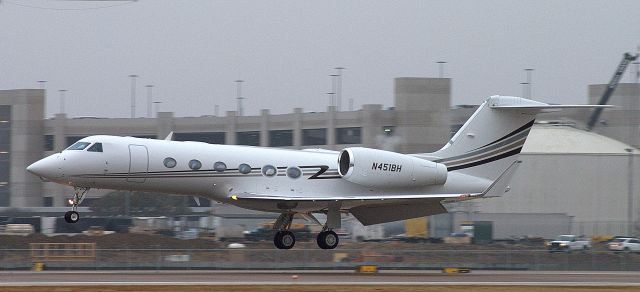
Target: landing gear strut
x,y
73,216
328,239
284,239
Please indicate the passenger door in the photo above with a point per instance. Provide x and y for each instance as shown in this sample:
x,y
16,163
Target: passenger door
x,y
138,163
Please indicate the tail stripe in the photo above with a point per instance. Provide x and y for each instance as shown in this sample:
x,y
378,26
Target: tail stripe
x,y
507,143
488,160
526,126
485,154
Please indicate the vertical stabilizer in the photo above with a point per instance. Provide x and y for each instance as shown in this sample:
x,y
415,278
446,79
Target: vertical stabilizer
x,y
492,138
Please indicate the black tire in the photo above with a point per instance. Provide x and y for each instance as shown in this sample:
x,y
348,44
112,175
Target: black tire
x,y
627,250
277,238
71,217
284,239
327,240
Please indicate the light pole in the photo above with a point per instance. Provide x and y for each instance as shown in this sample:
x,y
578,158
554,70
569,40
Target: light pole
x,y
441,68
133,95
332,99
630,192
524,88
149,99
62,97
157,103
529,82
239,97
339,88
42,83
334,90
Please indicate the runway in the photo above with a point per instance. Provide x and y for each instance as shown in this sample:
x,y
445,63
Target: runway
x,y
311,278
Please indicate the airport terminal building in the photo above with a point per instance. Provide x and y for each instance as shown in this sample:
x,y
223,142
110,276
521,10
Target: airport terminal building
x,y
586,175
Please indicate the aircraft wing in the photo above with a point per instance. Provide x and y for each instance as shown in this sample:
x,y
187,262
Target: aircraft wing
x,y
377,209
387,208
251,196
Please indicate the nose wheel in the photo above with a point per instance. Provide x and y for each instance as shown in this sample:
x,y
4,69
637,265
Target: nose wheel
x,y
73,216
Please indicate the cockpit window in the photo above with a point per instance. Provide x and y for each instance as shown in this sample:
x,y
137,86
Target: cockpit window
x,y
97,147
79,146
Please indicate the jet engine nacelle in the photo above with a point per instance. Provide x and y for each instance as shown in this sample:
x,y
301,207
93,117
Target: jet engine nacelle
x,y
379,168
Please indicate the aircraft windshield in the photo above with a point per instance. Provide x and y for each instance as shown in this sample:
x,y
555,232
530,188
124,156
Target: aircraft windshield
x,y
79,146
97,147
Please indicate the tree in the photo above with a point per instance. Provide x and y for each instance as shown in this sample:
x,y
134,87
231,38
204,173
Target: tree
x,y
140,204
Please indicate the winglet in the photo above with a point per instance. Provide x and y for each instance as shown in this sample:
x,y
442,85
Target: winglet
x,y
169,137
501,184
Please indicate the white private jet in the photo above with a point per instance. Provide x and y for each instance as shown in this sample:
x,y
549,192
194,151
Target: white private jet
x,y
373,185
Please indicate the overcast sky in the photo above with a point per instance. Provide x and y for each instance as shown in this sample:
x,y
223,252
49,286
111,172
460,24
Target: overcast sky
x,y
192,51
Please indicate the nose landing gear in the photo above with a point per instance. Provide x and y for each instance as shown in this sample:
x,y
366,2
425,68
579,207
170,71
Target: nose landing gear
x,y
73,216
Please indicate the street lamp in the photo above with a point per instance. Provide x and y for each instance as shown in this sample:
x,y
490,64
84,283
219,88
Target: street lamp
x,y
524,88
441,68
133,95
157,104
529,82
630,192
239,97
339,88
62,97
149,99
332,101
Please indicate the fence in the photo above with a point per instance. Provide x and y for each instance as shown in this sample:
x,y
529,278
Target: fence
x,y
328,259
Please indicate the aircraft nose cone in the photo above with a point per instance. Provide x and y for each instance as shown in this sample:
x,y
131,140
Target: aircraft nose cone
x,y
48,167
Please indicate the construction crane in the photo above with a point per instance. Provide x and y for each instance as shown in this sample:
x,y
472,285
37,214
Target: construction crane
x,y
626,59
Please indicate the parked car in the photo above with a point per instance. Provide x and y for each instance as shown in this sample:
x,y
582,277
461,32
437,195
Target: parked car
x,y
626,244
569,243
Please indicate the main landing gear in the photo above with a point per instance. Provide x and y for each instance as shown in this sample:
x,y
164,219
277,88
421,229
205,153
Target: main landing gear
x,y
327,238
284,239
73,216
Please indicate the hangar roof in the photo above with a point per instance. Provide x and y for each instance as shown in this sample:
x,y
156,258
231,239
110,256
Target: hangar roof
x,y
566,139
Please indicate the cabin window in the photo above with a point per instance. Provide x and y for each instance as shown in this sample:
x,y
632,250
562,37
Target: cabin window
x,y
269,170
79,146
97,147
244,168
219,166
195,164
169,162
294,172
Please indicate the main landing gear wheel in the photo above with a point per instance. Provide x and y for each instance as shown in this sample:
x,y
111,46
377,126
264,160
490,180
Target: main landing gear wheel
x,y
71,217
284,239
327,239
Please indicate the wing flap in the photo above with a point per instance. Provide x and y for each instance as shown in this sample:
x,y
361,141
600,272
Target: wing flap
x,y
376,214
